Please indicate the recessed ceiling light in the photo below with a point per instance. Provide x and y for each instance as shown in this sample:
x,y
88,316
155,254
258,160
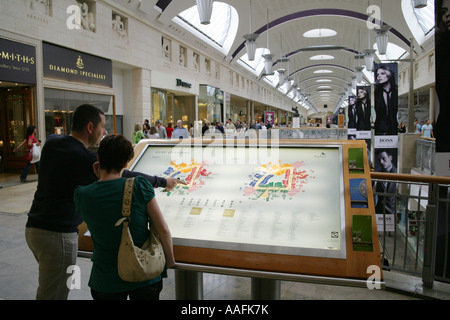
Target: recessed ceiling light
x,y
319,33
323,71
322,57
324,80
324,87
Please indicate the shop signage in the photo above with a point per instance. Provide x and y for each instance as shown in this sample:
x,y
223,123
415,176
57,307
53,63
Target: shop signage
x,y
17,62
183,84
75,66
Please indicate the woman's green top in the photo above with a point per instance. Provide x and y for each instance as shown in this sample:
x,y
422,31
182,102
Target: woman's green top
x,y
137,136
100,206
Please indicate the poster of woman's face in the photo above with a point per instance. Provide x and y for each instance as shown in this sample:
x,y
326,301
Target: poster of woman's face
x,y
386,73
442,70
386,99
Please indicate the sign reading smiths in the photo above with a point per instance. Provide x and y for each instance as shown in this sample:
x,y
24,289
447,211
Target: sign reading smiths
x,y
74,66
17,62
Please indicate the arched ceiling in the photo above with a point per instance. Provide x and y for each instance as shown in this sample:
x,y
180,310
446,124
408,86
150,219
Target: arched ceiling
x,y
286,21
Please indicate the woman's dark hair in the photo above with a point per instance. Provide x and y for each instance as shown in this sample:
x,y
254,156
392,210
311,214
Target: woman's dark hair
x,y
391,77
153,130
30,131
114,152
83,115
440,27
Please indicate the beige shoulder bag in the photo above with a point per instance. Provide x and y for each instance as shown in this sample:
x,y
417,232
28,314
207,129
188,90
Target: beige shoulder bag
x,y
137,264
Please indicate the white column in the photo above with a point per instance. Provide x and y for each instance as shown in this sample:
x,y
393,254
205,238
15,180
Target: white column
x,y
141,95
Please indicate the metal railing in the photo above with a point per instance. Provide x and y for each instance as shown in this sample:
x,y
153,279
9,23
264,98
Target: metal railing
x,y
312,133
409,209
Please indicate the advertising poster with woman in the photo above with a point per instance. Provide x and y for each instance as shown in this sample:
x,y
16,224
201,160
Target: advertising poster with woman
x,y
360,115
441,130
386,131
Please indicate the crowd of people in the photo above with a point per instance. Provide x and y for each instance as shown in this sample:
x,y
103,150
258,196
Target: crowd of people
x,y
159,131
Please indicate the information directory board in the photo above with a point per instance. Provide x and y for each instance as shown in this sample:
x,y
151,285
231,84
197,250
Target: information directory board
x,y
283,200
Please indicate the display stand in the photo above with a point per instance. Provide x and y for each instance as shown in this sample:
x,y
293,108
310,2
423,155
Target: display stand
x,y
188,285
333,179
296,122
265,289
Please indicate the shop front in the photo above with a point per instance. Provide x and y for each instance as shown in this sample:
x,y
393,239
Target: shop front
x,y
173,99
17,99
73,78
210,104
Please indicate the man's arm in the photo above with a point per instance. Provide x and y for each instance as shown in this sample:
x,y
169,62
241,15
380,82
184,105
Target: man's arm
x,y
156,182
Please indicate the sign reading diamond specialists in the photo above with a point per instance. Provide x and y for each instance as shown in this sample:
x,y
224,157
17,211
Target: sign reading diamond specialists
x,y
74,66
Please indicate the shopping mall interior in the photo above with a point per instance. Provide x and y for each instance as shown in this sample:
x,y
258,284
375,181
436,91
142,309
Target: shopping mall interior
x,y
316,135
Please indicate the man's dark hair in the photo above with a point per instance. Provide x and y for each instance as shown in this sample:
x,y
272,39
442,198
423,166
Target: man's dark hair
x,y
114,152
83,115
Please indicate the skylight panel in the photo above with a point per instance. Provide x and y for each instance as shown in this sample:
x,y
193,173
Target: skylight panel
x,y
217,30
393,52
425,17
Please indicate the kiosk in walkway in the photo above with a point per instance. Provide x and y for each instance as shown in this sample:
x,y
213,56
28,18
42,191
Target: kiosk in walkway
x,y
297,210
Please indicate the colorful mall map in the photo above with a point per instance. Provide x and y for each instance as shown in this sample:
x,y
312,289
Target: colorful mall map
x,y
193,173
273,180
287,201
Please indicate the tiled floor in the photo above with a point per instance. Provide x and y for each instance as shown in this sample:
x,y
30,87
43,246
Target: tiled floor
x,y
18,269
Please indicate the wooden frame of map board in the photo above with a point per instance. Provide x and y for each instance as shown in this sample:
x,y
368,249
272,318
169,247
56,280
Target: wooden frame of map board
x,y
349,263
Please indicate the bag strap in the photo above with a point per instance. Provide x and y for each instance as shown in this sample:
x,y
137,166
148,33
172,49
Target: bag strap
x,y
126,201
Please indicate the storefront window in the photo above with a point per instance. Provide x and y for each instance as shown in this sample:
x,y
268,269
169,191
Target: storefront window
x,y
210,104
237,112
60,106
170,108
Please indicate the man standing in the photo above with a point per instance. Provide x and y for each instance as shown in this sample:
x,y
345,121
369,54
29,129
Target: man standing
x,y
52,226
180,132
385,161
230,128
161,130
427,130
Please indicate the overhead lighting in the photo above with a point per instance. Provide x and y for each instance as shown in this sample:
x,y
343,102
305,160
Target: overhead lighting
x,y
288,84
322,57
323,71
359,74
281,77
419,4
250,45
250,39
369,58
320,33
268,62
382,38
205,8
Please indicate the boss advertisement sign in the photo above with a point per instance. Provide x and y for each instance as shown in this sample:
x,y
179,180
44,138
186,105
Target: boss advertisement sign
x,y
74,66
17,62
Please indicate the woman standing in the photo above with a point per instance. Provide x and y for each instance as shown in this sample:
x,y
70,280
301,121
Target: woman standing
x,y
28,142
137,134
169,130
100,205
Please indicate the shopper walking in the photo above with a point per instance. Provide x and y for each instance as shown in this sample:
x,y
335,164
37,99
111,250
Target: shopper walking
x,y
29,141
